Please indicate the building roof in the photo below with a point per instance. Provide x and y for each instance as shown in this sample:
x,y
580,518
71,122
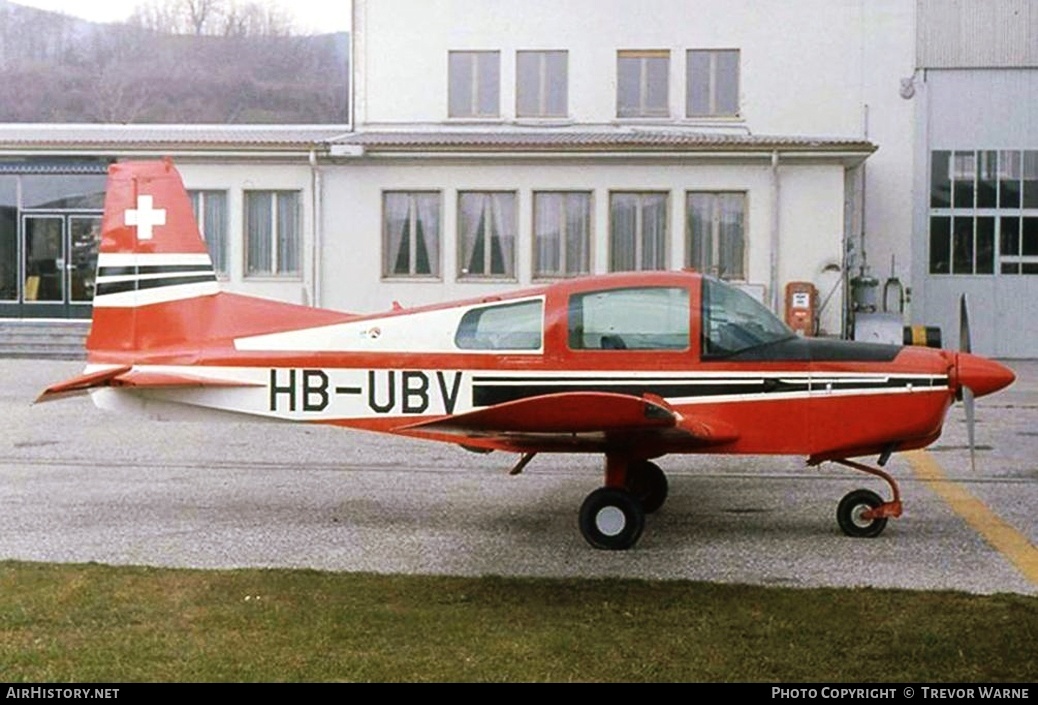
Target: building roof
x,y
100,137
604,139
339,141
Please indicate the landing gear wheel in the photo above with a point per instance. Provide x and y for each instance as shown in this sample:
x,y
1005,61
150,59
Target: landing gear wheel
x,y
647,483
852,507
611,519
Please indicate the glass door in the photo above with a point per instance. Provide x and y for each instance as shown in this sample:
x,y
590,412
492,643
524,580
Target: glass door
x,y
84,232
59,263
43,265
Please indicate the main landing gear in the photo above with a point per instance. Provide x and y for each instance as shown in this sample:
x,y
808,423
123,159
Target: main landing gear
x,y
612,517
863,513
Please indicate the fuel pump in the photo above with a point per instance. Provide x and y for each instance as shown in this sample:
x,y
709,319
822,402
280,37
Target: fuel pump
x,y
801,307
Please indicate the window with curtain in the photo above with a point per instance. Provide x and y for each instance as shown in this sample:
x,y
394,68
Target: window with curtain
x,y
210,209
716,233
562,233
642,83
486,234
541,83
272,233
411,234
712,77
474,84
637,231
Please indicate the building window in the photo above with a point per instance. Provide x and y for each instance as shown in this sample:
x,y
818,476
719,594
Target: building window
x,y
541,84
713,83
486,234
983,212
562,234
272,233
474,84
410,234
8,238
716,233
641,83
637,231
210,209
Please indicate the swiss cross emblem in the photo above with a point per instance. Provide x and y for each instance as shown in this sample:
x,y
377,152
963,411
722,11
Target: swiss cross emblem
x,y
145,216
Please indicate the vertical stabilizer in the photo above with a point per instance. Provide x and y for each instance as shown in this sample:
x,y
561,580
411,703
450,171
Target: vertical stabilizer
x,y
153,266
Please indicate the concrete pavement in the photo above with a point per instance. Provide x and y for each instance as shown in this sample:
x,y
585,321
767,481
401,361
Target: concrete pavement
x,y
78,484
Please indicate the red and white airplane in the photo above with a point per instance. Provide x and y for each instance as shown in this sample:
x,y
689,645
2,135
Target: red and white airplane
x,y
633,366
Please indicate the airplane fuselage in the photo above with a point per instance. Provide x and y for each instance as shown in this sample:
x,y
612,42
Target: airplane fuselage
x,y
822,398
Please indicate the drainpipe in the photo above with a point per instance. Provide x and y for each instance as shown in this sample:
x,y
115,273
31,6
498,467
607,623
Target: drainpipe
x,y
315,230
776,299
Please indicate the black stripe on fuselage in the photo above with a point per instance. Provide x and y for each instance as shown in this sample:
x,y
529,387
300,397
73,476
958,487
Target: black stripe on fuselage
x,y
488,391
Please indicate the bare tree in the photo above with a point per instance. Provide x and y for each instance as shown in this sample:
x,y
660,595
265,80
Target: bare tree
x,y
227,18
188,61
200,11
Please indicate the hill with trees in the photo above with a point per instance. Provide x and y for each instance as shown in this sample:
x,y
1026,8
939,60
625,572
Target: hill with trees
x,y
174,61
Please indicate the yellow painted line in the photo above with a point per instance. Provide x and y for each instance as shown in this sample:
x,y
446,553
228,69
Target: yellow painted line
x,y
1016,547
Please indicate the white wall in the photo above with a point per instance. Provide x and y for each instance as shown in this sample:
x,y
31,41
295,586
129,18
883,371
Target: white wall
x,y
802,65
811,219
888,58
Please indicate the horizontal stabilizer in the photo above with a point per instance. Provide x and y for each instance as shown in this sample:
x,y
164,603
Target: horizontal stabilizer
x,y
82,383
126,376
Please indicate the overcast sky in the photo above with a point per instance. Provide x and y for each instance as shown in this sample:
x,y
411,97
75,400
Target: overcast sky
x,y
310,15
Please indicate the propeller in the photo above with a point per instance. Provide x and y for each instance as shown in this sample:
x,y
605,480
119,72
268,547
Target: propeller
x,y
976,376
967,394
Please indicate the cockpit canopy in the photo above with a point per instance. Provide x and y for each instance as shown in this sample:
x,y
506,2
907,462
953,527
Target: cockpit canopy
x,y
629,318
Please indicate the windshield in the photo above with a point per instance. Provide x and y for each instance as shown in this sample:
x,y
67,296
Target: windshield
x,y
733,321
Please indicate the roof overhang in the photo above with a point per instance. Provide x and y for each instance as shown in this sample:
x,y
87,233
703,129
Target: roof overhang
x,y
597,142
605,143
148,141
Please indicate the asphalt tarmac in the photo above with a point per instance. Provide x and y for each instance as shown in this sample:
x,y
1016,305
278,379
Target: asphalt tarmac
x,y
78,484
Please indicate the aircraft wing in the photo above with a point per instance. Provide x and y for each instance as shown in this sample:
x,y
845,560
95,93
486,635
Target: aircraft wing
x,y
575,421
126,376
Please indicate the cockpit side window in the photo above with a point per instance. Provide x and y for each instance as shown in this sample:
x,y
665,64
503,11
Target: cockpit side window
x,y
509,326
733,321
645,318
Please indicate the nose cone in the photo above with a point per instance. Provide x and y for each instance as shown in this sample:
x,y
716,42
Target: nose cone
x,y
981,375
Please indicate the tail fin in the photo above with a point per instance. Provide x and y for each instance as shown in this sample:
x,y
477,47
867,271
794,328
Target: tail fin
x,y
151,253
157,293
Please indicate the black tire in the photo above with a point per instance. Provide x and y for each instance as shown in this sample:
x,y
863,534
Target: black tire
x,y
647,483
848,514
611,519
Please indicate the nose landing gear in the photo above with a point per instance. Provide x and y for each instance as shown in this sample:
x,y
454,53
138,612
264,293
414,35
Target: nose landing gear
x,y
863,513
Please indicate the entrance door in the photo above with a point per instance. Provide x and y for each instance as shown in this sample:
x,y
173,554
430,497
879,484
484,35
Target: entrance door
x,y
59,259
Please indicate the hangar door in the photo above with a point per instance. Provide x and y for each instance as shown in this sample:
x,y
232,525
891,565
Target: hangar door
x,y
980,209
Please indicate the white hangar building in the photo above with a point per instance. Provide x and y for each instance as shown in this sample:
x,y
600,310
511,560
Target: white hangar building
x,y
494,145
